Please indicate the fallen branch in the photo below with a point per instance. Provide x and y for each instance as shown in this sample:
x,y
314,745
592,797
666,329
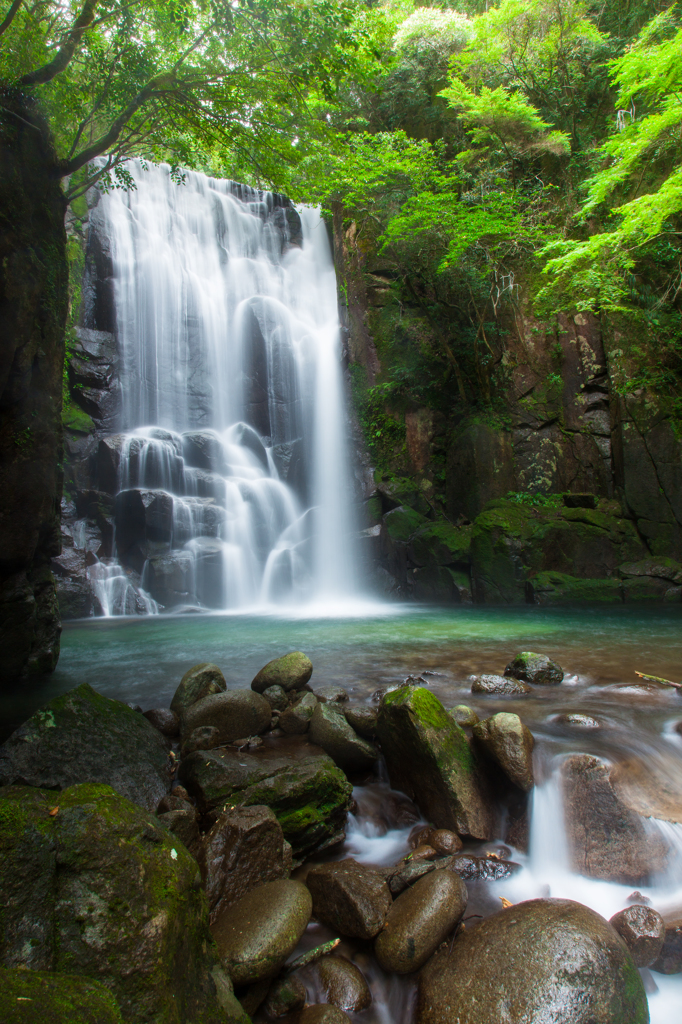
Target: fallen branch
x,y
657,679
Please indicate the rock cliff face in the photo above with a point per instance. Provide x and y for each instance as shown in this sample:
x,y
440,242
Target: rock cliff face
x,y
552,484
33,297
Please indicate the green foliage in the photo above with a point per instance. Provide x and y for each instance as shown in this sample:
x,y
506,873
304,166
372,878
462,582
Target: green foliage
x,y
384,431
529,500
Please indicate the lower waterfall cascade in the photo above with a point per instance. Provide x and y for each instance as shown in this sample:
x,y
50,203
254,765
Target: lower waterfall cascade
x,y
230,464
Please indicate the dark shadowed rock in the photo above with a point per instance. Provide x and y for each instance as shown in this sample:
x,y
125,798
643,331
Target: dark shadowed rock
x,y
276,698
331,694
256,934
406,873
428,757
642,930
343,983
330,730
31,997
166,721
296,719
579,972
480,869
419,921
503,685
244,849
537,669
291,672
606,838
183,824
510,743
235,714
363,719
97,887
445,842
286,995
205,737
322,1013
349,898
82,736
198,682
669,960
310,796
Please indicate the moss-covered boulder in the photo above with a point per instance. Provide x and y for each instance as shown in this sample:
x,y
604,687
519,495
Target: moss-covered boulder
x,y
441,544
198,682
291,672
543,960
428,757
309,796
91,885
533,668
82,737
31,997
557,589
236,714
513,543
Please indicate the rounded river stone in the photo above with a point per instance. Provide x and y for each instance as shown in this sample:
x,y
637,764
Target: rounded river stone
x,y
419,920
165,720
363,719
535,668
350,898
504,685
256,934
322,1013
198,682
291,672
235,714
643,932
550,960
343,983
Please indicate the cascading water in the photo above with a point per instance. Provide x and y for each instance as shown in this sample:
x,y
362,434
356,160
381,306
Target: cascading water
x,y
231,465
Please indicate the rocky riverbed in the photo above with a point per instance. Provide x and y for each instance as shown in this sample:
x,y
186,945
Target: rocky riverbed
x,y
281,851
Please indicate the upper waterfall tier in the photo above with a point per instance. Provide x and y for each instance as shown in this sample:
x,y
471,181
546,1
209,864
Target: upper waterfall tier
x,y
230,465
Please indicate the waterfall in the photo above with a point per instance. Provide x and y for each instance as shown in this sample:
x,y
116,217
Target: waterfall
x,y
232,473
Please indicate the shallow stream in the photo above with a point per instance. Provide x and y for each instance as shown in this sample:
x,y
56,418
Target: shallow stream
x,y
142,660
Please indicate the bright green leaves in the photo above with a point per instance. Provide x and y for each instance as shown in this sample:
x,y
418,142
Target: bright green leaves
x,y
502,118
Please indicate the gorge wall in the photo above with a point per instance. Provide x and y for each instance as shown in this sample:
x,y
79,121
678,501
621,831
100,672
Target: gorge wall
x,y
33,292
551,484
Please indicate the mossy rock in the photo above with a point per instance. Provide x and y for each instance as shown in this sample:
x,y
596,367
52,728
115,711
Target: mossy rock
x,y
441,544
310,796
292,671
84,737
401,523
76,420
428,757
557,589
91,885
30,997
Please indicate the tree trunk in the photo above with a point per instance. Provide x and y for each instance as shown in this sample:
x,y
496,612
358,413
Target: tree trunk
x,y
33,307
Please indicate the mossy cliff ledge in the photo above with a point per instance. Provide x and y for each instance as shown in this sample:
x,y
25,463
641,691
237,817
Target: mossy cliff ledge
x,y
33,296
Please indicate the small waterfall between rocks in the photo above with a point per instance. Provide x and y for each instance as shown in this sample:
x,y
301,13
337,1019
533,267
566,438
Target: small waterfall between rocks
x,y
230,467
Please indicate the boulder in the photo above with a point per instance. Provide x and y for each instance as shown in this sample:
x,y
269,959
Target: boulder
x,y
286,995
510,743
167,722
235,714
331,694
363,720
201,681
322,1013
276,698
642,930
182,822
537,669
606,838
464,715
296,719
445,842
544,960
349,898
429,759
90,884
33,997
206,737
244,849
82,736
256,934
291,672
480,869
205,450
343,983
419,920
406,873
503,685
669,961
330,730
310,796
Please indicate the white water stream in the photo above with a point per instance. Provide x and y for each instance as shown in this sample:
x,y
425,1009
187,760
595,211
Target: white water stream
x,y
232,415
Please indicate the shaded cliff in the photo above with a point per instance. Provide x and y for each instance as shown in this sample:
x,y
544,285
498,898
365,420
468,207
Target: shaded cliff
x,y
33,300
